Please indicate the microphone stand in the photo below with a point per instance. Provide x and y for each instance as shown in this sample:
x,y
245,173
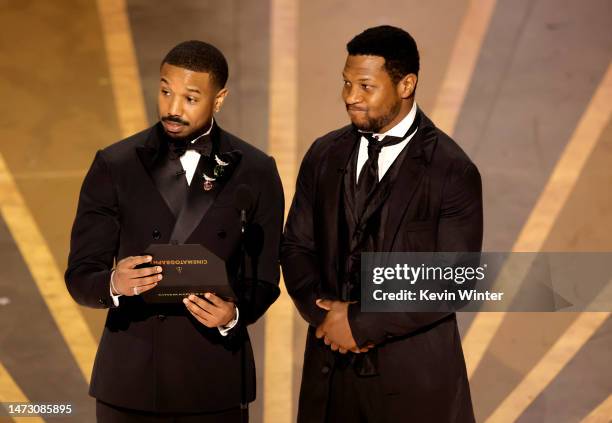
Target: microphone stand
x,y
244,405
243,200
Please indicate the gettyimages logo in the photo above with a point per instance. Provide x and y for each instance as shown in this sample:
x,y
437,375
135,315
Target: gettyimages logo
x,y
412,274
487,281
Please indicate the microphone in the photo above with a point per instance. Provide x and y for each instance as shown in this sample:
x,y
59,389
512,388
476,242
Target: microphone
x,y
243,199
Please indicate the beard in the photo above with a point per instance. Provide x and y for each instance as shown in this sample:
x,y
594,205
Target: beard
x,y
375,124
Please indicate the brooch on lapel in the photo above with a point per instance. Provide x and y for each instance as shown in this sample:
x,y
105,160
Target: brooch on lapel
x,y
209,183
220,169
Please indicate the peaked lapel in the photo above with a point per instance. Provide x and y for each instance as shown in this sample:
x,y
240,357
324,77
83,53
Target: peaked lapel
x,y
198,200
410,176
167,175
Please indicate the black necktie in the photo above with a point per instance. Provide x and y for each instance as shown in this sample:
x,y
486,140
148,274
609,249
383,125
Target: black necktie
x,y
368,178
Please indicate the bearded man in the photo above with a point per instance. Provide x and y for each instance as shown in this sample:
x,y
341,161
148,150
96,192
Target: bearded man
x,y
176,183
389,181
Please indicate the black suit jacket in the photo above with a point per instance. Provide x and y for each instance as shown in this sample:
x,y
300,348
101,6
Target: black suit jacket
x,y
435,205
154,357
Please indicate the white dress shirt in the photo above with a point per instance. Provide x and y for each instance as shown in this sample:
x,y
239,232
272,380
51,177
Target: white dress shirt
x,y
189,161
388,154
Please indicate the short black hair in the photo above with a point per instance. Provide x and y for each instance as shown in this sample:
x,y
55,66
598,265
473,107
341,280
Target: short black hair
x,y
395,45
199,56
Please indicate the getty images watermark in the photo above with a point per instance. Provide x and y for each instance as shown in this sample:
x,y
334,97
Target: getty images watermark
x,y
491,281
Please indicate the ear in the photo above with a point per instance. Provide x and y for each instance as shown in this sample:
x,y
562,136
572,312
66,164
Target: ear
x,y
407,85
219,99
324,304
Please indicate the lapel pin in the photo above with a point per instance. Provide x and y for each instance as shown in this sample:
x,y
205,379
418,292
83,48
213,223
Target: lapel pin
x,y
221,169
208,182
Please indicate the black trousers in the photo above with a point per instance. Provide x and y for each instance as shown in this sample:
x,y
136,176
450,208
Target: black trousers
x,y
354,398
106,413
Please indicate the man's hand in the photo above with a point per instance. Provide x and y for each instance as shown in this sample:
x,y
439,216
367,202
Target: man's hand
x,y
335,329
212,313
129,281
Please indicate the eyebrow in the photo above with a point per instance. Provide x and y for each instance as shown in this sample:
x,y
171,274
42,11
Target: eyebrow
x,y
363,78
190,89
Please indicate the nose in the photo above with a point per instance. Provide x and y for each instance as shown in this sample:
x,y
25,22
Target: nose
x,y
352,95
176,108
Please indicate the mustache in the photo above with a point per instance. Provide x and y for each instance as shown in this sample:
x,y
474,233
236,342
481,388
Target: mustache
x,y
175,119
350,107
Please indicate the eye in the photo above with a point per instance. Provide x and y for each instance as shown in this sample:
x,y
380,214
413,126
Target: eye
x,y
366,87
165,91
347,83
192,100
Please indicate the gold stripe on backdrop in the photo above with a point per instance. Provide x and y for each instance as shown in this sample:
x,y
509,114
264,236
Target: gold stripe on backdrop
x,y
601,413
462,64
123,67
448,105
10,392
278,360
549,366
46,274
555,359
547,209
51,174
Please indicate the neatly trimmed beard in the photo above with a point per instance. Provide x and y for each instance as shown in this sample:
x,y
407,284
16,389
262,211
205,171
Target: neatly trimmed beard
x,y
376,124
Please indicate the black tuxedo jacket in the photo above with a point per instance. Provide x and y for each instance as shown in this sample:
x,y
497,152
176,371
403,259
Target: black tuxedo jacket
x,y
153,357
434,205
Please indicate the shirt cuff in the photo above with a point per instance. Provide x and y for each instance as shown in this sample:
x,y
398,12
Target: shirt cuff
x,y
224,330
110,288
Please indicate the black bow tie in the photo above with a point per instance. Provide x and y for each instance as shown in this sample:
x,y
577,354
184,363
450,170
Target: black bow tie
x,y
203,145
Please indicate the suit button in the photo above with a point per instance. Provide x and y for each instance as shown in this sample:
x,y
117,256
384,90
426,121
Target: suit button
x,y
156,234
325,370
102,301
161,317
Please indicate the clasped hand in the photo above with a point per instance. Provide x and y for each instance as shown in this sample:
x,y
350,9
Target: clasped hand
x,y
335,329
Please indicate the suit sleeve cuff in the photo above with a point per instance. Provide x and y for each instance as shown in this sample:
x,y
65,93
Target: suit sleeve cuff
x,y
224,330
113,296
364,330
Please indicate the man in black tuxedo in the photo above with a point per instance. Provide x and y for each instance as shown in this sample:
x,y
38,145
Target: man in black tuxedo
x,y
176,183
390,181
